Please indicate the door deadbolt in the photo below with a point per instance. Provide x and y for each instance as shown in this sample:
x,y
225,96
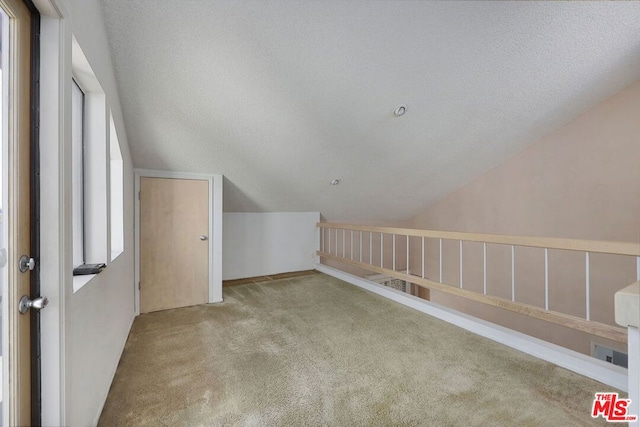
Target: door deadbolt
x,y
26,263
37,304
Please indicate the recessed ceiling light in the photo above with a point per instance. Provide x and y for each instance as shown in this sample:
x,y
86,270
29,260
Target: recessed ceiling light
x,y
335,182
400,110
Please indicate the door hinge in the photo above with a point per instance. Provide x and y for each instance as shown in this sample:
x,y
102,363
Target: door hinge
x,y
138,285
138,195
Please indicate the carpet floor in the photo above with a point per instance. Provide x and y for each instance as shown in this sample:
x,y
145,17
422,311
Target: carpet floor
x,y
315,350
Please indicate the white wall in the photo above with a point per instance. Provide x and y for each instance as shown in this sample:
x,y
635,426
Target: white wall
x,y
83,333
259,244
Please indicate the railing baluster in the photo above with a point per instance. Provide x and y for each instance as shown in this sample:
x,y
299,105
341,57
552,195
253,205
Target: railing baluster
x,y
460,264
587,283
393,250
484,267
423,257
440,260
327,248
407,254
513,273
546,279
351,243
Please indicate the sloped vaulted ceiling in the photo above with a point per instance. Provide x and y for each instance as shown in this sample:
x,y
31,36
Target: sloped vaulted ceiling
x,y
283,96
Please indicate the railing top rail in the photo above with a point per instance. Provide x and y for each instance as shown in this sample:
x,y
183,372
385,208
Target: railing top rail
x,y
597,246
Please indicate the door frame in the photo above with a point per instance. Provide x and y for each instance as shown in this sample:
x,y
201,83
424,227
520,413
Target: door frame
x,y
215,228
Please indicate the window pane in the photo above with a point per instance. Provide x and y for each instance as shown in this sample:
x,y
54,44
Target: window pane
x,y
77,179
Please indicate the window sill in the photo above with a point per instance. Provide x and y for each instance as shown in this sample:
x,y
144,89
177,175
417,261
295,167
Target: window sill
x,y
80,281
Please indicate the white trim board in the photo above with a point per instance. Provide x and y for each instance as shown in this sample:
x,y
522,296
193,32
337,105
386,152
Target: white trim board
x,y
215,229
606,373
55,265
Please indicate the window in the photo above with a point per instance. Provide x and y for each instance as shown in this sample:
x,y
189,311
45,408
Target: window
x,y
90,171
116,180
77,174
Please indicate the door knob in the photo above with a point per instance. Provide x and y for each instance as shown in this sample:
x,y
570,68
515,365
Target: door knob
x,y
203,237
36,304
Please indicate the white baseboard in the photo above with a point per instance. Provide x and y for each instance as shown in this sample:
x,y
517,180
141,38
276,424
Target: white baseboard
x,y
606,373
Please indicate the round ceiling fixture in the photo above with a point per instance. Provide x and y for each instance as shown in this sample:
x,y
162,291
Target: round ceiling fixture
x,y
335,182
400,110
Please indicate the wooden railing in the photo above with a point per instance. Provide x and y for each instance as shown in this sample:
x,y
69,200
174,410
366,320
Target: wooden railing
x,y
329,231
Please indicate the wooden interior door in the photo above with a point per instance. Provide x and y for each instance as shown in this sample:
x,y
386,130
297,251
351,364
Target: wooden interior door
x,y
16,212
174,243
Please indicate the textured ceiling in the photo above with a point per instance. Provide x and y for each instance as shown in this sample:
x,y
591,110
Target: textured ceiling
x,y
283,96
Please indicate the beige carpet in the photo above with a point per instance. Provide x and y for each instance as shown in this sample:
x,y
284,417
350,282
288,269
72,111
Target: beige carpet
x,y
317,351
